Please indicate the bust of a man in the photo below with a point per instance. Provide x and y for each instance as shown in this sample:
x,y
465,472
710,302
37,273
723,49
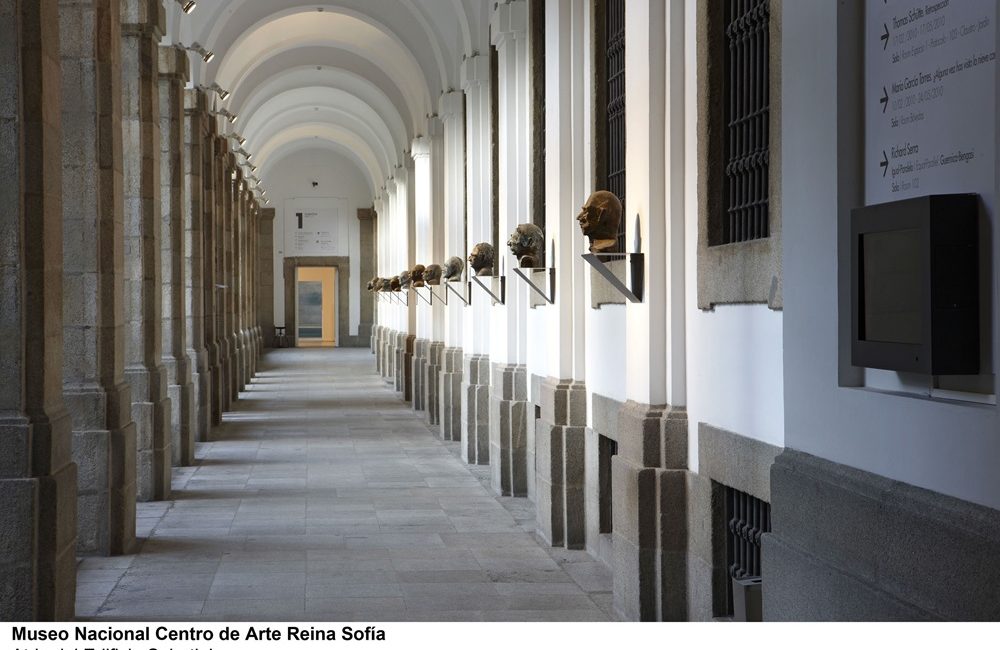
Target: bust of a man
x,y
405,280
453,269
394,284
527,243
432,274
386,284
417,275
599,220
482,258
375,284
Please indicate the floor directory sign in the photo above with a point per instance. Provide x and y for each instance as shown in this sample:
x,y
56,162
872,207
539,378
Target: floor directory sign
x,y
930,98
316,227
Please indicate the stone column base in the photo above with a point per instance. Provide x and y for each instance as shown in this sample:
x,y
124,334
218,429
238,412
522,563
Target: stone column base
x,y
202,380
105,460
418,366
450,394
476,409
431,382
508,429
151,413
650,505
226,362
180,391
559,460
409,342
249,358
38,523
847,545
399,362
216,384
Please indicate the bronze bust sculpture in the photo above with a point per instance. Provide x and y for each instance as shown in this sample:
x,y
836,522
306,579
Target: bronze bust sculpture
x,y
375,284
453,269
482,258
405,280
386,285
417,275
527,243
394,284
599,220
432,274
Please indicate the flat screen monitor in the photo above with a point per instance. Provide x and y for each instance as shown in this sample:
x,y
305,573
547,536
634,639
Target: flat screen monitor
x,y
915,285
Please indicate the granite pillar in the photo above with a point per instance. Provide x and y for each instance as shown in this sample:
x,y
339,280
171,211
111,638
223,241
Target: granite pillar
x,y
94,389
173,64
37,472
196,142
418,366
143,23
450,393
265,297
431,382
212,172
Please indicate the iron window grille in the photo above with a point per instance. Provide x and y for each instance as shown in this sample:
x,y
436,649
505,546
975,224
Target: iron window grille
x,y
747,518
747,119
615,117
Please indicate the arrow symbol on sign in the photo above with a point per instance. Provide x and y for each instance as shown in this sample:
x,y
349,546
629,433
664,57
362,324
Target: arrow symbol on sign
x,y
884,164
884,100
885,36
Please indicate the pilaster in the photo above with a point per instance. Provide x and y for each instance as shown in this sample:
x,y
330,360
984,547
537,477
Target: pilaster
x,y
265,298
560,437
196,142
173,75
142,27
94,388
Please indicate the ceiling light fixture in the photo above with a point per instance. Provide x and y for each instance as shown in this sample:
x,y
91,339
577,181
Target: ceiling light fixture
x,y
187,6
217,89
199,49
232,117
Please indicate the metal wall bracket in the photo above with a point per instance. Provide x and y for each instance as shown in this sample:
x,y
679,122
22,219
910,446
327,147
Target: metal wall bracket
x,y
464,297
440,296
637,267
401,297
548,293
428,298
497,300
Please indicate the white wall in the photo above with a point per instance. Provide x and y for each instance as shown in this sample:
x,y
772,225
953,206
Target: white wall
x,y
948,447
338,178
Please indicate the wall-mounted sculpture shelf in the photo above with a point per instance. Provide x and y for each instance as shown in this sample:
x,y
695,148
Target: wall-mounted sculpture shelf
x,y
421,291
636,264
546,292
439,294
401,297
463,296
497,299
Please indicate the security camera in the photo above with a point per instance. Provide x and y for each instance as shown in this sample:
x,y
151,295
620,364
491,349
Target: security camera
x,y
315,183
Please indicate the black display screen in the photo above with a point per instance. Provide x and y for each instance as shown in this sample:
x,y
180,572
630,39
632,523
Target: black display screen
x,y
892,279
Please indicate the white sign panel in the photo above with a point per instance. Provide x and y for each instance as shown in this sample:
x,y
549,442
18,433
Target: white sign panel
x,y
316,228
930,98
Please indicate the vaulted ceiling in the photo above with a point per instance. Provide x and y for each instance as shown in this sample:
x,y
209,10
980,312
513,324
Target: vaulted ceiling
x,y
358,77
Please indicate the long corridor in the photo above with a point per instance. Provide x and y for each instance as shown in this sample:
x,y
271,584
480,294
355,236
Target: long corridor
x,y
324,497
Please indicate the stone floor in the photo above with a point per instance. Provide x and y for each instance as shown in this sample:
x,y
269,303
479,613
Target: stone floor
x,y
324,497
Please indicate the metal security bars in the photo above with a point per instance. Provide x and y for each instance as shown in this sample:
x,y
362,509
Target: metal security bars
x,y
747,518
615,125
747,117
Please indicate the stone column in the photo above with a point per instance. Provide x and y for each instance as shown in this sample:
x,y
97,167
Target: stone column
x,y
476,331
366,235
265,298
253,252
210,228
94,387
242,295
37,474
195,186
422,235
142,27
452,111
174,254
509,378
228,345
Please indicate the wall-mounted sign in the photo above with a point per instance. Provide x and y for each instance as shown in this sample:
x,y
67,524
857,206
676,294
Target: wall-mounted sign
x,y
930,83
316,227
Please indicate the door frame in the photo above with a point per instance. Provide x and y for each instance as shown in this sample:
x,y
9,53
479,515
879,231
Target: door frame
x,y
342,306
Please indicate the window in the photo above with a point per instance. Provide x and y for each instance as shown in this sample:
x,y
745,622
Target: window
x,y
739,153
747,518
610,101
747,120
606,449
